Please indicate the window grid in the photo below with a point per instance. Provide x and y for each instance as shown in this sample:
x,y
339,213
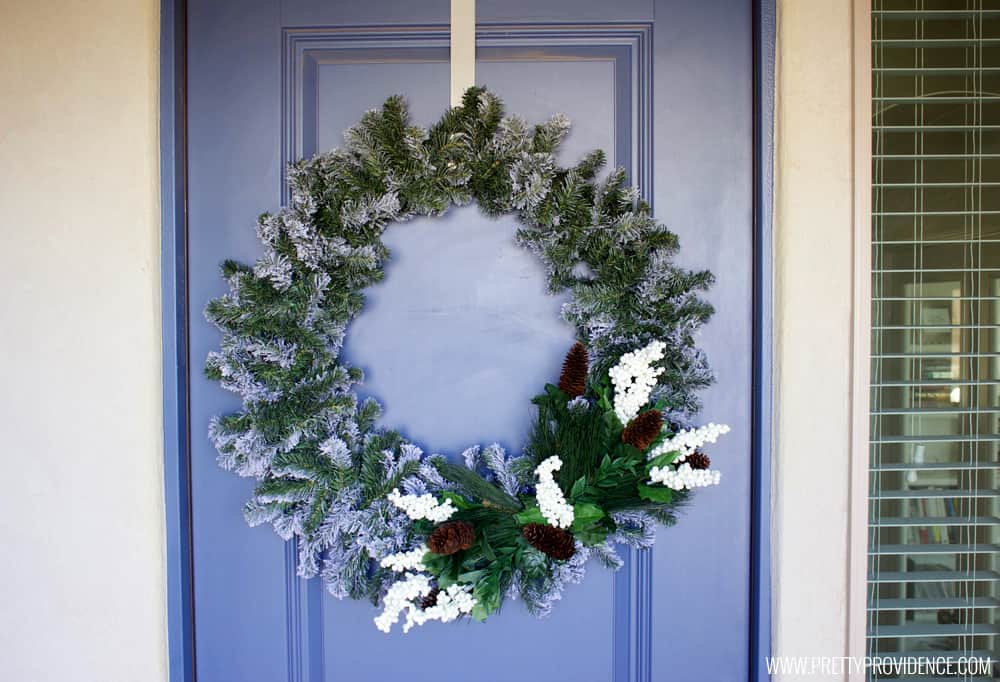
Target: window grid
x,y
934,498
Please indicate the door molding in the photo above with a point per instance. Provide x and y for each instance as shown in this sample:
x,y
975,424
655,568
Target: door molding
x,y
176,355
632,618
627,48
626,45
762,408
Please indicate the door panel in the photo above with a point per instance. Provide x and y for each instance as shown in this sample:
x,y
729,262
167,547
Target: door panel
x,y
703,189
270,82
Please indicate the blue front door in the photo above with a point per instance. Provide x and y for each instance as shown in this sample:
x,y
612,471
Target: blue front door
x,y
664,87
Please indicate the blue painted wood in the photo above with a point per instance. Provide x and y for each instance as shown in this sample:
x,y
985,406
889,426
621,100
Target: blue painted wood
x,y
703,181
503,69
234,146
760,488
255,619
173,259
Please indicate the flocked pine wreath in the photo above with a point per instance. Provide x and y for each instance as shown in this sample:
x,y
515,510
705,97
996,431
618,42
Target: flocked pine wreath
x,y
607,457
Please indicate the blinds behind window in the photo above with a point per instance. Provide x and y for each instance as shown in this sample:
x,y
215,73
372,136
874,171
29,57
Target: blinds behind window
x,y
934,525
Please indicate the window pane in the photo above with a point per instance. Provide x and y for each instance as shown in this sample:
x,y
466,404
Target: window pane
x,y
934,521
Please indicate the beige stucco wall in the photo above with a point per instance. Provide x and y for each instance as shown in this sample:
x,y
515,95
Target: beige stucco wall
x,y
813,303
81,507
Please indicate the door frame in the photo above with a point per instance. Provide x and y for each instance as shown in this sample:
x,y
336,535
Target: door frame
x,y
176,353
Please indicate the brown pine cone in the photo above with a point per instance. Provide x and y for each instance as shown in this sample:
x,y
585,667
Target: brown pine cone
x,y
643,430
430,600
553,541
698,460
451,537
573,380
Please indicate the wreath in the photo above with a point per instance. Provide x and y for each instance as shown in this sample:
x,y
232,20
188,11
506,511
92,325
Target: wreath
x,y
607,457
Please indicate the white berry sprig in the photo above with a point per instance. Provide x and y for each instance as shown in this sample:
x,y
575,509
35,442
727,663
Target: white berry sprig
x,y
406,561
684,477
634,378
551,503
424,506
687,441
405,595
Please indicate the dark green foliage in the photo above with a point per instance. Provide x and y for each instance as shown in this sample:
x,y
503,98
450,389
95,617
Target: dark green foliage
x,y
375,484
477,488
580,435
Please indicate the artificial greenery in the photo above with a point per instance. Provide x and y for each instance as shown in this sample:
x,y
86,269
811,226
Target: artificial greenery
x,y
323,466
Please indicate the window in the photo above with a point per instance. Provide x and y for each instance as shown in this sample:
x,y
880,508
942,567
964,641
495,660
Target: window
x,y
934,519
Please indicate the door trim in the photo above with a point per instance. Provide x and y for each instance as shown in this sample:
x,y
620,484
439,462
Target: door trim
x,y
762,408
627,46
176,355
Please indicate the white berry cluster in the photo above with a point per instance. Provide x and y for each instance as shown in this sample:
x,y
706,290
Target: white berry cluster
x,y
400,597
423,506
634,378
452,602
551,502
689,440
684,477
404,595
406,561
